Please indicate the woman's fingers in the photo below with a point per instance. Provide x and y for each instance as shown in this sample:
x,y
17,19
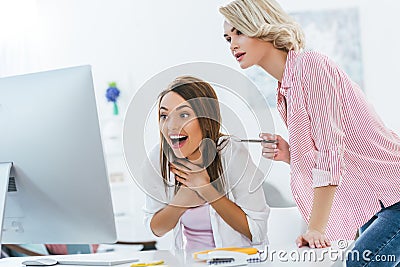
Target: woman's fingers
x,y
327,242
180,179
179,165
300,241
278,151
320,241
186,166
317,243
178,172
267,136
268,153
269,150
313,239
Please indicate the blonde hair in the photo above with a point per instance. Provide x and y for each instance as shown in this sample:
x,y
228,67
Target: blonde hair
x,y
265,20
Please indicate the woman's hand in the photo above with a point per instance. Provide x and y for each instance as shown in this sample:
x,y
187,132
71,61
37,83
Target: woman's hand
x,y
314,239
190,174
278,151
187,198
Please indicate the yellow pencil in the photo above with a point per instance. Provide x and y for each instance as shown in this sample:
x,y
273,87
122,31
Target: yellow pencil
x,y
147,263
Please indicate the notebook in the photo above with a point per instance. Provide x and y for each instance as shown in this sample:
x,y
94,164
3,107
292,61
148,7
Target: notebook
x,y
232,256
99,259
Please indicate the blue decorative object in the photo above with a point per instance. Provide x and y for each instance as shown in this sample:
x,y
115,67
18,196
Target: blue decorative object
x,y
112,95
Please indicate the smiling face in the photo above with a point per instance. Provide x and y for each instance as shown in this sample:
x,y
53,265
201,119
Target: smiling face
x,y
247,51
180,126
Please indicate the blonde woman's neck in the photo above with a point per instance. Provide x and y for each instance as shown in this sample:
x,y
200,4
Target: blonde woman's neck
x,y
274,62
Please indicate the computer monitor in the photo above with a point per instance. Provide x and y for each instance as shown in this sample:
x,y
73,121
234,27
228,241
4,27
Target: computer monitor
x,y
58,190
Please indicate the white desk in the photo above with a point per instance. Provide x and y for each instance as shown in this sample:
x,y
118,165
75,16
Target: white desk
x,y
278,256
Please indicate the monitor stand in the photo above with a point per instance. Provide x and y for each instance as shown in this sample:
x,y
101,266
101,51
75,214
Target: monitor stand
x,y
5,168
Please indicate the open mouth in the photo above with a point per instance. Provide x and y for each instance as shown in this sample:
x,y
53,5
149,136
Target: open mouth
x,y
239,55
178,140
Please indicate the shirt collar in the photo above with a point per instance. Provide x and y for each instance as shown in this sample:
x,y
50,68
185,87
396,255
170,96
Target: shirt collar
x,y
286,83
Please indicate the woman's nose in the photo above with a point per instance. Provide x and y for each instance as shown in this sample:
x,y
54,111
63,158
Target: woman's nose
x,y
173,124
233,46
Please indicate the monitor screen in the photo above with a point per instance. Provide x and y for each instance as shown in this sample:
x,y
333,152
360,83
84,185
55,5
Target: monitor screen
x,y
58,188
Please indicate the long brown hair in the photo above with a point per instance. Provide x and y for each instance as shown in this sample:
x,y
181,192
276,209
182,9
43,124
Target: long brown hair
x,y
205,105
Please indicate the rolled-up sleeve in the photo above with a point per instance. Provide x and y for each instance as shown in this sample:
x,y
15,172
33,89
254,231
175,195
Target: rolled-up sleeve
x,y
324,98
257,221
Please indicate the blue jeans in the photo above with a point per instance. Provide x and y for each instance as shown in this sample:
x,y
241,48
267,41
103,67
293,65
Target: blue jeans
x,y
379,241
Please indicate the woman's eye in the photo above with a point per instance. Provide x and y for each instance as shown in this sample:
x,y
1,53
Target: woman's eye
x,y
185,115
228,39
163,117
238,32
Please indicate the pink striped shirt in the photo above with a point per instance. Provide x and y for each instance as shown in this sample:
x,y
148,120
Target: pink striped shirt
x,y
336,138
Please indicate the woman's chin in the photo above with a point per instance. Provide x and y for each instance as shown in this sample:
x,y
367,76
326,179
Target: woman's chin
x,y
244,66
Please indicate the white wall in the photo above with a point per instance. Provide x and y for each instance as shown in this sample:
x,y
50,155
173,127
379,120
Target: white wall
x,y
127,41
130,41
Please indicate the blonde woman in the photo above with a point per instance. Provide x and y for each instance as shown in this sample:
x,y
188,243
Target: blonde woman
x,y
345,163
200,183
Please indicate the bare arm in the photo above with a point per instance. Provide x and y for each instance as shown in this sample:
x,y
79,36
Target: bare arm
x,y
315,235
165,219
323,199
